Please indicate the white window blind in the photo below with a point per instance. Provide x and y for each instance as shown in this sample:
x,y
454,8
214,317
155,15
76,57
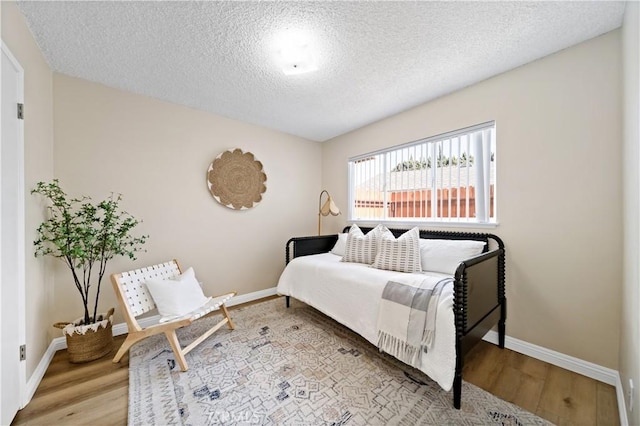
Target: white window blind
x,y
444,178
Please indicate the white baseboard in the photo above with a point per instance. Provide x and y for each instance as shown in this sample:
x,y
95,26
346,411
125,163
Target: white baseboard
x,y
250,297
586,368
118,329
38,374
622,404
576,365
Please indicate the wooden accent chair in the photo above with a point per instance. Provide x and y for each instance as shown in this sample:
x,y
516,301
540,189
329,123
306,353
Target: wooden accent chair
x,y
135,300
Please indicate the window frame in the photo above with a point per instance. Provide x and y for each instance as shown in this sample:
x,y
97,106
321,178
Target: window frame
x,y
454,222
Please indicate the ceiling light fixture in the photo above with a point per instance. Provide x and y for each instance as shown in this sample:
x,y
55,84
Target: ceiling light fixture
x,y
294,53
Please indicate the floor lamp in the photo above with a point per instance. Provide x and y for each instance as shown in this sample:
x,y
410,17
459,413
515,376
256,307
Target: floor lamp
x,y
326,209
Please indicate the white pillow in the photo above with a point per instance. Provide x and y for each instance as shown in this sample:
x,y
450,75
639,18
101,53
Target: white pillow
x,y
402,255
445,255
341,245
362,248
177,296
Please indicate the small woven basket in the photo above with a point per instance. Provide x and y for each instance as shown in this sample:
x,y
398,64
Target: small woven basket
x,y
90,345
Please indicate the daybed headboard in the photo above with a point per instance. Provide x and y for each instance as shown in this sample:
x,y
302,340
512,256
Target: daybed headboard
x,y
324,243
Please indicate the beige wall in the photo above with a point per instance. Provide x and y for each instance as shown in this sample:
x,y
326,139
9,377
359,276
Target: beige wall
x,y
559,189
38,155
157,154
630,314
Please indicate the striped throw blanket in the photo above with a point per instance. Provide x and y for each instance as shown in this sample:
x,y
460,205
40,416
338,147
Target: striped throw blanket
x,y
407,317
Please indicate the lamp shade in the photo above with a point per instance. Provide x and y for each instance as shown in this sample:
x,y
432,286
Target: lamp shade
x,y
329,208
326,209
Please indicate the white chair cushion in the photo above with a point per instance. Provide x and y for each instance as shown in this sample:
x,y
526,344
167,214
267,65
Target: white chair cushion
x,y
176,297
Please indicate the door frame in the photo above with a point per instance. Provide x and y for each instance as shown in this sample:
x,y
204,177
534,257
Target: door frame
x,y
19,173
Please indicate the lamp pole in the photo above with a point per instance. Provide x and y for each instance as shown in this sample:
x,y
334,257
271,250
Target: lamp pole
x,y
324,191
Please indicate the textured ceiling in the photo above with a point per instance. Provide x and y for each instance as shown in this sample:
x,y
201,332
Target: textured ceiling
x,y
374,59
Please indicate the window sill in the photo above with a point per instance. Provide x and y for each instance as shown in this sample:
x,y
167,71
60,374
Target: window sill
x,y
422,224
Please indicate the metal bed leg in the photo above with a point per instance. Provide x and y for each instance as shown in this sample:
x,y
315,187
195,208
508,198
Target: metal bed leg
x,y
287,298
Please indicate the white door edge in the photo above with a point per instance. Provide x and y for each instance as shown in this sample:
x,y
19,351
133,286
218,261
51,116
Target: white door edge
x,y
20,223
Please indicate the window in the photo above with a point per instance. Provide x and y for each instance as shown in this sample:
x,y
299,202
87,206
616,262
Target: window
x,y
448,178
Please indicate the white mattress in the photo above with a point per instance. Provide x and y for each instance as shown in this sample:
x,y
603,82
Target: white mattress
x,y
350,293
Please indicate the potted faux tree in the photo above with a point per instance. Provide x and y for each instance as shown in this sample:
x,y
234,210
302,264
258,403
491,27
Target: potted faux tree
x,y
85,236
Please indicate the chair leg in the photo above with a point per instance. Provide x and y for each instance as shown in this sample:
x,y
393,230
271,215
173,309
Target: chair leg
x,y
177,350
226,314
128,342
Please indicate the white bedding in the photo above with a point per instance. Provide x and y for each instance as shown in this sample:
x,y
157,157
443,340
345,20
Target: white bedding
x,y
350,293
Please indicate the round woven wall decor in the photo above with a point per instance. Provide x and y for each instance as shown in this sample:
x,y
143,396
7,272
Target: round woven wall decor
x,y
236,179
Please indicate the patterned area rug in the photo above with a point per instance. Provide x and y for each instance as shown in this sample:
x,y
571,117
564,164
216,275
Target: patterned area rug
x,y
296,367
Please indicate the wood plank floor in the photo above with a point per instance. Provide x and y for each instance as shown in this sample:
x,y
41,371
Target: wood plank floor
x,y
558,395
96,393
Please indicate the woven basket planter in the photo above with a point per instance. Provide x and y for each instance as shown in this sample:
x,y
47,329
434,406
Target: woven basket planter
x,y
88,342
